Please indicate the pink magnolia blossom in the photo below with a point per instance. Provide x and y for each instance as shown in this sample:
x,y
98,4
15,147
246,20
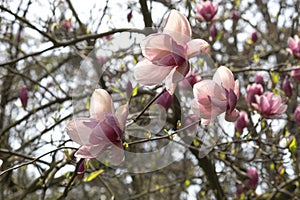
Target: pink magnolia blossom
x,y
165,100
295,73
287,87
294,46
242,121
252,90
252,181
166,54
66,24
297,115
269,105
1,162
189,81
259,79
206,11
102,132
23,95
213,97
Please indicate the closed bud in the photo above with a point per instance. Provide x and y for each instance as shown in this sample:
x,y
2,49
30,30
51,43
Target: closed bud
x,y
252,180
287,87
235,15
23,95
213,32
259,79
242,121
254,36
297,115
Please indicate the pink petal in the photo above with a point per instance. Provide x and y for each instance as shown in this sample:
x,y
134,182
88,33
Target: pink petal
x,y
264,105
224,77
90,151
172,79
196,47
157,46
147,73
121,114
101,103
292,43
116,154
237,89
178,27
80,130
233,116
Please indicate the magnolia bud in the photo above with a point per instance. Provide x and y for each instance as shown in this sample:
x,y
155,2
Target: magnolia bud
x,y
242,122
287,87
23,95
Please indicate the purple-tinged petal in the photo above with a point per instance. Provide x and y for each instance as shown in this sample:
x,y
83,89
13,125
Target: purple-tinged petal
x,y
224,77
196,47
232,100
80,130
147,73
101,103
178,27
292,43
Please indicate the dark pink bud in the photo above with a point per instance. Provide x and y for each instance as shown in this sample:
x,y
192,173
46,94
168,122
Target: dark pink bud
x,y
206,11
294,46
287,87
242,122
108,37
296,74
252,180
254,36
297,115
252,90
165,100
129,16
213,32
259,79
81,169
23,95
235,15
66,24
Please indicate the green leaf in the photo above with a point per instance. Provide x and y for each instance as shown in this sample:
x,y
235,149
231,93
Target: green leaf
x,y
93,175
275,77
293,145
135,90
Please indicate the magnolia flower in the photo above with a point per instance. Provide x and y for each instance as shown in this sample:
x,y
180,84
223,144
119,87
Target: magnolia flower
x,y
297,115
252,91
166,54
206,11
269,105
252,181
165,100
23,95
242,121
66,24
287,87
294,46
295,73
213,97
259,79
102,132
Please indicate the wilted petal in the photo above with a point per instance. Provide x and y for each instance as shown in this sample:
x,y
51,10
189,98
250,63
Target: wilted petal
x,y
147,73
196,47
80,130
156,46
101,103
178,27
224,77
